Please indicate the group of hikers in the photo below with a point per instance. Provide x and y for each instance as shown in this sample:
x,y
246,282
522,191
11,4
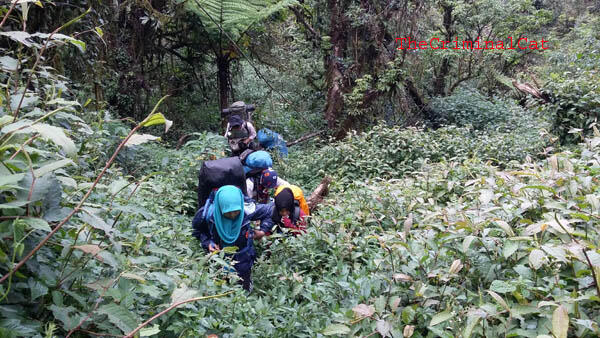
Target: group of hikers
x,y
234,192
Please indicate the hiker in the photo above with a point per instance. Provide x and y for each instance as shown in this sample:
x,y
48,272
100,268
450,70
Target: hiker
x,y
287,212
257,186
227,222
240,134
298,196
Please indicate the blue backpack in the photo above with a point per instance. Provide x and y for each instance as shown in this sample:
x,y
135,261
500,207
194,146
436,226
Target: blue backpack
x,y
269,139
258,160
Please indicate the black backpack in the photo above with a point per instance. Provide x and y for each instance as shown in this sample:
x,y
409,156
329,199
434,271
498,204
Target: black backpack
x,y
217,173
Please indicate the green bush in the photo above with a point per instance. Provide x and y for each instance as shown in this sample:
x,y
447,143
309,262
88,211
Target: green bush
x,y
392,152
573,82
468,107
576,106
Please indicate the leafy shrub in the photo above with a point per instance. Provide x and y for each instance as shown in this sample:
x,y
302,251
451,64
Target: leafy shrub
x,y
468,107
451,250
577,104
572,80
392,152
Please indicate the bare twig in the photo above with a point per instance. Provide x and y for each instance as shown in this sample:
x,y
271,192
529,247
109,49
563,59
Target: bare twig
x,y
12,6
104,289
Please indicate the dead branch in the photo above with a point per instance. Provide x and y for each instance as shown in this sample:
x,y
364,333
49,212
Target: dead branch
x,y
531,90
305,137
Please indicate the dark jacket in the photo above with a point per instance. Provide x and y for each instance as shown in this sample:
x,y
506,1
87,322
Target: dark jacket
x,y
206,232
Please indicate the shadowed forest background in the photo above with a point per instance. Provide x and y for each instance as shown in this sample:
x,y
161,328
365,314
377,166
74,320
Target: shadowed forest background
x,y
465,199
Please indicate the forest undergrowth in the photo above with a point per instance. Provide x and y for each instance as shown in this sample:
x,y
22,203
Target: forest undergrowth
x,y
434,233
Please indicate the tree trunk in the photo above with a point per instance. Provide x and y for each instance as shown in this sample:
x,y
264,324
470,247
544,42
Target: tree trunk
x,y
223,63
439,84
335,98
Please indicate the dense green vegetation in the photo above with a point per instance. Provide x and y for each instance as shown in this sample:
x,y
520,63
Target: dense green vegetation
x,y
461,204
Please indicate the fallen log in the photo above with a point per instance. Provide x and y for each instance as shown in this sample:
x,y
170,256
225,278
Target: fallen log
x,y
531,90
304,138
317,195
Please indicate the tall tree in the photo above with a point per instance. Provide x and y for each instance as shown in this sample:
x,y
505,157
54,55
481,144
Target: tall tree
x,y
226,23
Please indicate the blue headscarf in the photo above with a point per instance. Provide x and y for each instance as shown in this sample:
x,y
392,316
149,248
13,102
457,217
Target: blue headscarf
x,y
228,198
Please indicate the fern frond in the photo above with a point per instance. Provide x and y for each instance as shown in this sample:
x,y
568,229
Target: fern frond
x,y
234,16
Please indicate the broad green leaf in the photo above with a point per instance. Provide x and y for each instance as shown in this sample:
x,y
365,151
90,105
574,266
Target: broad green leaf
x,y
61,37
540,187
66,103
8,63
557,252
158,118
383,327
510,248
13,205
28,100
230,249
51,167
56,135
137,139
117,186
6,333
96,222
560,322
536,258
145,260
6,119
408,314
441,317
151,290
467,242
37,289
21,37
562,226
394,303
64,315
471,323
502,287
67,181
336,329
21,327
150,331
37,223
119,316
533,229
380,304
10,181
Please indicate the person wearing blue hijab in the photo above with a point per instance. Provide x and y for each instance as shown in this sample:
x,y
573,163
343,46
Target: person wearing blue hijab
x,y
227,223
